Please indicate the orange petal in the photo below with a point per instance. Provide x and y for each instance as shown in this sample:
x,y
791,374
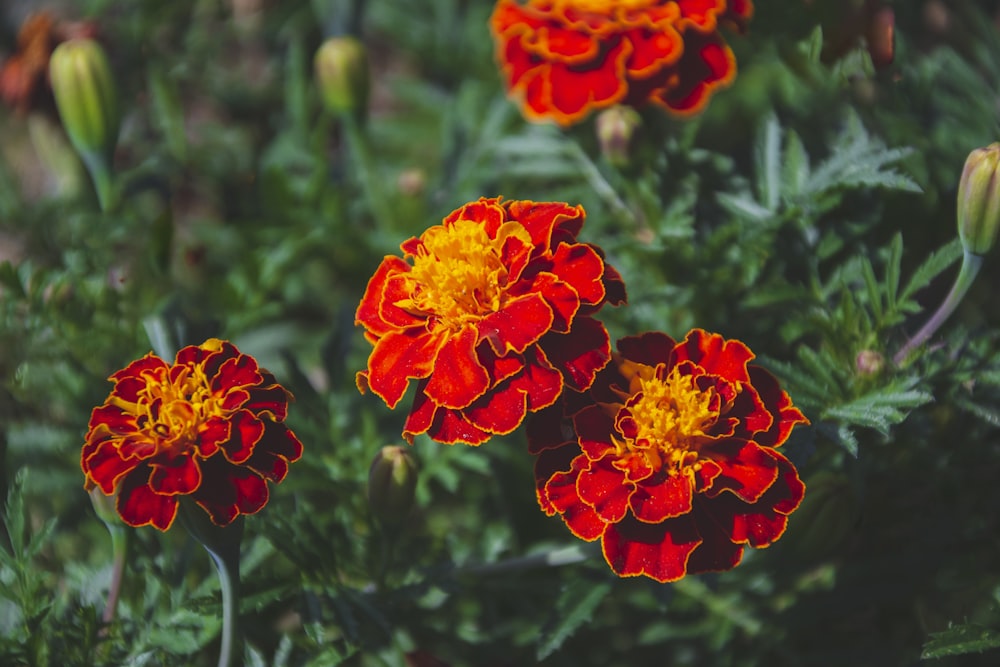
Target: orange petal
x,y
399,357
457,378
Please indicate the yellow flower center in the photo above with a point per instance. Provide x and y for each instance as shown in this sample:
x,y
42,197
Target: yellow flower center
x,y
671,415
170,413
458,275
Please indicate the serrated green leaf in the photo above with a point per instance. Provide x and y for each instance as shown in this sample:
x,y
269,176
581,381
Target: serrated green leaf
x,y
989,415
878,410
938,261
959,640
847,440
574,607
744,207
893,268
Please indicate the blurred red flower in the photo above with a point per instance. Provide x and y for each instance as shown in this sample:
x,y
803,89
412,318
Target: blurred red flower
x,y
566,58
209,426
492,314
670,458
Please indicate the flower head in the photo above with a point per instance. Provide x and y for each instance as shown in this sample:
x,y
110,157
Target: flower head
x,y
491,312
565,58
208,426
670,460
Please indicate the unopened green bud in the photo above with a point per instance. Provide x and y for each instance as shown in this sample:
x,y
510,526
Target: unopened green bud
x,y
979,200
392,481
341,65
86,96
615,128
104,507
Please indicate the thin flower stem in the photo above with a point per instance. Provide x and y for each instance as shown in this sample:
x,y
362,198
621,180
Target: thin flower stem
x,y
229,582
100,173
120,540
357,141
601,186
971,263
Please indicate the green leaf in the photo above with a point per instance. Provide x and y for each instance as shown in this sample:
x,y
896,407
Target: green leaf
x,y
795,170
878,410
767,163
575,606
939,260
959,640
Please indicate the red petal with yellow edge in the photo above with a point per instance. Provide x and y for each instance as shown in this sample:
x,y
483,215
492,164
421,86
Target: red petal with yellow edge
x,y
136,446
715,354
581,519
128,388
580,266
660,551
614,285
540,381
233,491
716,553
788,491
700,14
457,378
213,434
399,357
594,428
748,414
272,401
551,461
575,90
748,470
579,354
106,467
707,64
652,51
234,373
116,419
370,311
778,404
562,300
516,326
138,506
148,364
450,427
667,498
604,487
500,411
548,222
234,398
557,43
245,431
275,450
178,477
488,211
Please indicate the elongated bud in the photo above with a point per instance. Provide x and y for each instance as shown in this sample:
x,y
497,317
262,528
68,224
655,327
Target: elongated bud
x,y
104,507
341,65
615,128
392,481
979,200
86,96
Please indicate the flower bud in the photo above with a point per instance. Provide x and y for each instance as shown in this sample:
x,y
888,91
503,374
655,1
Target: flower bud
x,y
104,507
869,362
86,96
341,66
615,128
392,481
979,200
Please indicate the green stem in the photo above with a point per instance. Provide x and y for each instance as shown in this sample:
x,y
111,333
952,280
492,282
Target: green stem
x,y
120,540
229,582
100,173
971,263
357,142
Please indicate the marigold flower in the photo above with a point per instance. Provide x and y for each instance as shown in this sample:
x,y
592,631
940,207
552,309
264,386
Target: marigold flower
x,y
492,315
566,58
209,426
670,458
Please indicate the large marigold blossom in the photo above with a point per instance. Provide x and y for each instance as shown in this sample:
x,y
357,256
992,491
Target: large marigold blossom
x,y
670,459
491,312
209,426
562,59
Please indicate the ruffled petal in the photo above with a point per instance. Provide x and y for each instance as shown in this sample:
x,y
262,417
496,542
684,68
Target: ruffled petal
x,y
180,476
659,551
666,498
138,505
397,358
458,377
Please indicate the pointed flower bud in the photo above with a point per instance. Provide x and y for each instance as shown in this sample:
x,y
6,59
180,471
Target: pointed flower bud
x,y
341,65
392,481
86,96
615,128
979,200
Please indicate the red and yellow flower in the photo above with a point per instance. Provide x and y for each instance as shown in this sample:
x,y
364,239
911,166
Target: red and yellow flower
x,y
491,312
209,426
565,58
671,457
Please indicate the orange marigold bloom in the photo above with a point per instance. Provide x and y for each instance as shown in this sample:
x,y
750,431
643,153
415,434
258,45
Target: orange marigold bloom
x,y
208,426
566,58
670,459
492,317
